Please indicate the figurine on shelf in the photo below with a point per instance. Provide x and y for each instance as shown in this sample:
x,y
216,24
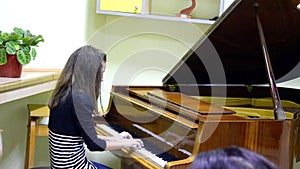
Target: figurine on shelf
x,y
186,13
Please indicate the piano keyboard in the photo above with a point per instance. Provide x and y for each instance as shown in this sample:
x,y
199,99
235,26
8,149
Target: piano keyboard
x,y
142,152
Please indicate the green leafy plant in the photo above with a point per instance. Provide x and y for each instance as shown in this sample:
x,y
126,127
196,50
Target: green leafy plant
x,y
20,43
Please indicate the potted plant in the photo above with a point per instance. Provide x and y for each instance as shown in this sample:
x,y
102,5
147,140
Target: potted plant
x,y
17,49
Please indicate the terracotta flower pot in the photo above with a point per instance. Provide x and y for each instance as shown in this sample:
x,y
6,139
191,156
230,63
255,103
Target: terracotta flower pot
x,y
12,68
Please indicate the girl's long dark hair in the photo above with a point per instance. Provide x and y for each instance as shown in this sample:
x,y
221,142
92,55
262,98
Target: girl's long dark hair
x,y
83,72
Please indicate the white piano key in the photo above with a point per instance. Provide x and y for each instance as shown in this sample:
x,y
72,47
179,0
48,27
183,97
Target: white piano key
x,y
185,152
153,157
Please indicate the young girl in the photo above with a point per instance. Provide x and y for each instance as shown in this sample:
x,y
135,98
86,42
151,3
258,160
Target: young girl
x,y
72,106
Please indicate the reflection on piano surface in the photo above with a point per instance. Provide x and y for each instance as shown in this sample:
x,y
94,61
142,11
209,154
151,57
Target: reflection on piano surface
x,y
203,106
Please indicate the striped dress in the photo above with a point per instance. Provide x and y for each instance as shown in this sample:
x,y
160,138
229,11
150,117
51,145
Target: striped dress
x,y
67,152
71,125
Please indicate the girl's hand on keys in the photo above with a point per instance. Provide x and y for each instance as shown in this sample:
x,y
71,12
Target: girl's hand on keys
x,y
133,143
125,135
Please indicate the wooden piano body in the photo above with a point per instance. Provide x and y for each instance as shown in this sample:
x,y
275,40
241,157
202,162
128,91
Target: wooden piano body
x,y
214,96
181,132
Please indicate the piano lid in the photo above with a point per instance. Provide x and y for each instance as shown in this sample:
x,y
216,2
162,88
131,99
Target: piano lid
x,y
232,52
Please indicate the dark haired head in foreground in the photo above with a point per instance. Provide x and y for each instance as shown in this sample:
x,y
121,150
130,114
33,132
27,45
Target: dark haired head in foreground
x,y
231,158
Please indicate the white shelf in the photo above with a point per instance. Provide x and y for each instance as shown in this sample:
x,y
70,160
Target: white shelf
x,y
161,17
145,14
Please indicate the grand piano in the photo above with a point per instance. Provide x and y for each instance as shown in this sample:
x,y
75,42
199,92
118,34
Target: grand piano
x,y
218,95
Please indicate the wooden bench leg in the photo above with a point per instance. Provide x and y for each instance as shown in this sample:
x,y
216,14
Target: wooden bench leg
x,y
31,133
34,129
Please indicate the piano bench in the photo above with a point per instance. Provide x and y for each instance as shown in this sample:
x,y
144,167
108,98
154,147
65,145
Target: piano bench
x,y
35,128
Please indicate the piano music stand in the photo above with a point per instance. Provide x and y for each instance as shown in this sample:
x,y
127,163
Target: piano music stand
x,y
36,112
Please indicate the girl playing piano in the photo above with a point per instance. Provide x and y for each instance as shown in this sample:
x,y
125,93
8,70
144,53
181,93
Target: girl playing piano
x,y
72,106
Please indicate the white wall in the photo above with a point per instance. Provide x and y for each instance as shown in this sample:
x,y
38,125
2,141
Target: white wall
x,y
62,33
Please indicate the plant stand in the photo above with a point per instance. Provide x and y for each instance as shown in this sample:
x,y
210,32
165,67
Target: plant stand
x,y
12,68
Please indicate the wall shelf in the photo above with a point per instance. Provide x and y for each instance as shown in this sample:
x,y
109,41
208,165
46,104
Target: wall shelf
x,y
153,9
161,17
